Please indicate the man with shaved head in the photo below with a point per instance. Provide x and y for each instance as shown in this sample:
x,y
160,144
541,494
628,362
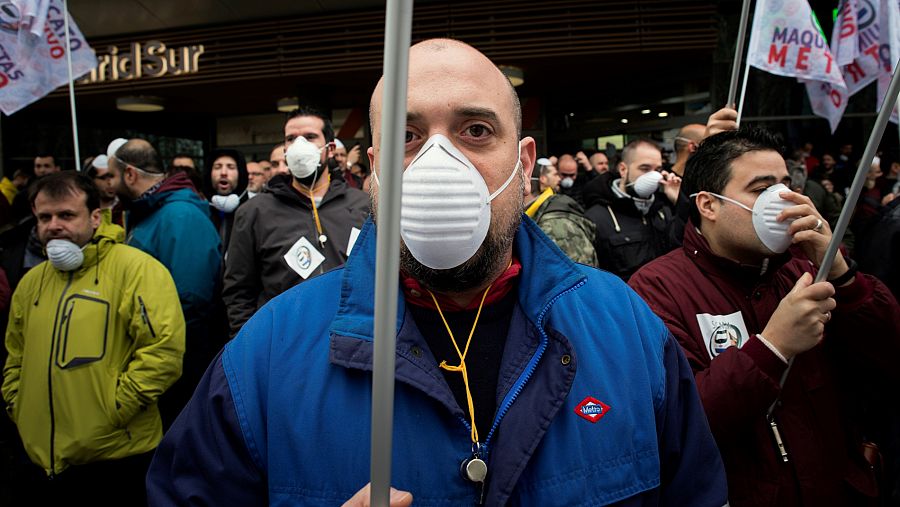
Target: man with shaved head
x,y
168,219
686,143
513,385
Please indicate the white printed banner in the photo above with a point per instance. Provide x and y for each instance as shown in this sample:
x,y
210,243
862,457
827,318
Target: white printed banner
x,y
33,52
787,41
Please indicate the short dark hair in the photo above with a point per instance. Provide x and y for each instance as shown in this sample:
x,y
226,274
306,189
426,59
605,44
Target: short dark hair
x,y
179,155
140,155
709,169
327,128
633,145
64,184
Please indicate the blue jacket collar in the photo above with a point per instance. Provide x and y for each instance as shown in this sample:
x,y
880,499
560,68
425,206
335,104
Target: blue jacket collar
x,y
547,272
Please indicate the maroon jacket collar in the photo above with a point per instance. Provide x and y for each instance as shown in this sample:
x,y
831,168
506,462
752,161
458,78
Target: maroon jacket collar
x,y
697,248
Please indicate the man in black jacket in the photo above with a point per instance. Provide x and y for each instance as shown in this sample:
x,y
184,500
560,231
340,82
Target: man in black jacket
x,y
632,224
300,228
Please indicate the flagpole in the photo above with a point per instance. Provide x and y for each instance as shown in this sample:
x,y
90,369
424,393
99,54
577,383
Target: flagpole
x,y
397,34
71,86
738,52
884,114
740,106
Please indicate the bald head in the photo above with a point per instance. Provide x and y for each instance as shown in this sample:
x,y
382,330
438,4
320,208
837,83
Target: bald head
x,y
691,133
141,154
436,57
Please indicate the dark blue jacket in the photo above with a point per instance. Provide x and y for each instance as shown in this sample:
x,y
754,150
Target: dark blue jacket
x,y
283,414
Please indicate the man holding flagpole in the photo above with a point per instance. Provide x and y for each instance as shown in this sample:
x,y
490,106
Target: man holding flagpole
x,y
742,304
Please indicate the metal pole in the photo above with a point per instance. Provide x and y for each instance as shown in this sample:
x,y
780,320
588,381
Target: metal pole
x,y
884,114
397,34
71,86
738,52
740,106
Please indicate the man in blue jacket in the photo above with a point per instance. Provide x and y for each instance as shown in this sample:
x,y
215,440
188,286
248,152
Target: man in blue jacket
x,y
514,386
170,221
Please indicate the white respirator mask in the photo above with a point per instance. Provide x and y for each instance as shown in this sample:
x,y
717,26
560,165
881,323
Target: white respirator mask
x,y
772,233
303,158
64,255
445,210
646,184
566,182
225,203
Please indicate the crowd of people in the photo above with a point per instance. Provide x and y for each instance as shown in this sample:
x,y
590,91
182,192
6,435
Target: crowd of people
x,y
178,335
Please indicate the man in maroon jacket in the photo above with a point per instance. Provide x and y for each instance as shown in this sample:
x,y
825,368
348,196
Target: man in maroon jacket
x,y
741,311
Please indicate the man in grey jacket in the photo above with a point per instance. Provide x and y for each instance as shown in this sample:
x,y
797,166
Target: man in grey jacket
x,y
300,228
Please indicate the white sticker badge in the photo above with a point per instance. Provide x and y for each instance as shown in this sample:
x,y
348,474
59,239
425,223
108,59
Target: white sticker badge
x,y
354,233
722,331
303,258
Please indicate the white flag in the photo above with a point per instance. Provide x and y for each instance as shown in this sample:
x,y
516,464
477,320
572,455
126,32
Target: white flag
x,y
33,52
845,35
787,41
890,39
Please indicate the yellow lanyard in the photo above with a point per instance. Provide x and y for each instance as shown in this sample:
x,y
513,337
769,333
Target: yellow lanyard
x,y
462,356
312,200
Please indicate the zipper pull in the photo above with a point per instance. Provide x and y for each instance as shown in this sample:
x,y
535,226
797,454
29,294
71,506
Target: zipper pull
x,y
778,441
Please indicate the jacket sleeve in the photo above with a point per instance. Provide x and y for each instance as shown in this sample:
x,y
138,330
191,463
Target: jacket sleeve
x,y
15,345
203,459
735,388
691,469
156,325
242,284
865,329
571,237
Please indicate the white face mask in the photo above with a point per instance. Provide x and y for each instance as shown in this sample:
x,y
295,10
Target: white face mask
x,y
773,234
445,212
64,255
646,184
303,158
567,182
225,203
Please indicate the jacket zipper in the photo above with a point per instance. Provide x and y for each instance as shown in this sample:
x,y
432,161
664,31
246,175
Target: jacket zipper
x,y
146,317
529,370
50,376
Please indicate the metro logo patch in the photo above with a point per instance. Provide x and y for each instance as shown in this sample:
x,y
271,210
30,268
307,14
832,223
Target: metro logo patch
x,y
591,409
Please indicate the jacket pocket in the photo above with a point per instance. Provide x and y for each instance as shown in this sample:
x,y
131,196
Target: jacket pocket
x,y
629,250
82,331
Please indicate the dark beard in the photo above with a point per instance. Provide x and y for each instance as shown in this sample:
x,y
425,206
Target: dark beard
x,y
474,272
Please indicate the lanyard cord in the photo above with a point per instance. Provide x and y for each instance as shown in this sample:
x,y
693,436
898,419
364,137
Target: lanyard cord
x,y
312,200
462,356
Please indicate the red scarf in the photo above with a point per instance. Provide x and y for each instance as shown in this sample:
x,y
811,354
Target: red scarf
x,y
417,295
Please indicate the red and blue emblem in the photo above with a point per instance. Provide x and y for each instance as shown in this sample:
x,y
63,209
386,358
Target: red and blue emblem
x,y
592,409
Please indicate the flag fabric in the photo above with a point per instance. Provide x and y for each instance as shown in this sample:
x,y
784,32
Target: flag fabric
x,y
845,35
33,51
787,41
890,48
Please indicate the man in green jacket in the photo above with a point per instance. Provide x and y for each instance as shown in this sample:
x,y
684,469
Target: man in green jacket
x,y
95,335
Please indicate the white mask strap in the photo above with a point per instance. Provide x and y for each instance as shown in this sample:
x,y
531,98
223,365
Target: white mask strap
x,y
511,176
724,199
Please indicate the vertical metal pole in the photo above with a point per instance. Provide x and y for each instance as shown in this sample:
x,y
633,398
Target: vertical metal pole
x,y
884,114
71,86
740,105
738,52
397,33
